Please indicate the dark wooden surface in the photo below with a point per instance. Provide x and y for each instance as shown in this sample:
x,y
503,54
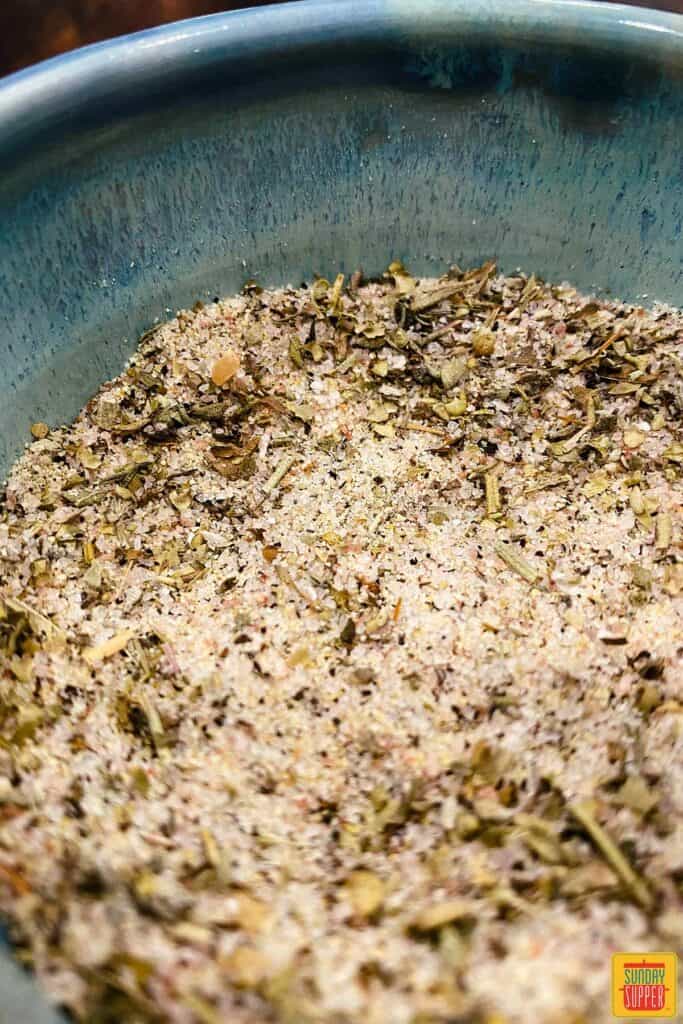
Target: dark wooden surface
x,y
31,30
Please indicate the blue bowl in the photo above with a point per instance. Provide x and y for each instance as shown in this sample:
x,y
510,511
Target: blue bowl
x,y
139,175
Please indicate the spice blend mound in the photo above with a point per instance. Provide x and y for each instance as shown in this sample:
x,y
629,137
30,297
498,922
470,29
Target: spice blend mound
x,y
340,650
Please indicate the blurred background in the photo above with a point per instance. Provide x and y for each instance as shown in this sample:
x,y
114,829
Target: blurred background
x,y
31,30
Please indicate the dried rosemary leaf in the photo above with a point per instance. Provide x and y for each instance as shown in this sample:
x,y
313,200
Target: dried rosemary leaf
x,y
564,447
154,723
287,578
636,501
529,292
583,813
663,529
105,650
426,300
279,473
516,562
38,622
493,503
600,350
80,497
202,1009
438,915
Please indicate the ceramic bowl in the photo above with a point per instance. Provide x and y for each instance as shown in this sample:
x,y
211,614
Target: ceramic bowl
x,y
142,174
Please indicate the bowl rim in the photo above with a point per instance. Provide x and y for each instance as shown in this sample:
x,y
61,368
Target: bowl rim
x,y
56,91
60,88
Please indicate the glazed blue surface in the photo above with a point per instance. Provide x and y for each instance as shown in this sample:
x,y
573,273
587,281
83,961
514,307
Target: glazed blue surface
x,y
139,175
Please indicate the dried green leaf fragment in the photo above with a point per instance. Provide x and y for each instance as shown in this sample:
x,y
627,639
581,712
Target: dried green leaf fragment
x,y
641,576
483,342
492,492
452,371
348,633
279,473
109,647
203,1010
674,452
404,283
584,815
365,891
516,562
427,299
296,352
301,411
637,795
663,531
445,912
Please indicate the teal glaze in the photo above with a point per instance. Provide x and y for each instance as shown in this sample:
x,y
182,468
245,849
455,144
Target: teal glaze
x,y
139,175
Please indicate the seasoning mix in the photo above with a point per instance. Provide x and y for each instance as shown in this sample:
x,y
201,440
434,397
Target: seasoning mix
x,y
340,661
